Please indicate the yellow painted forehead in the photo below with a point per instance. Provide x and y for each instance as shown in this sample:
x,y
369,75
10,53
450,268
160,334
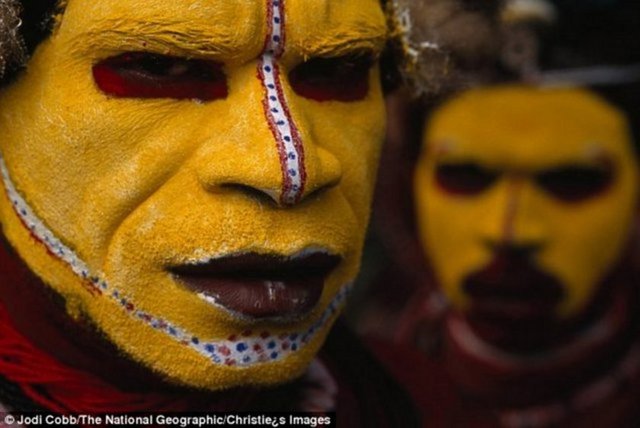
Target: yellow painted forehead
x,y
335,27
232,30
528,127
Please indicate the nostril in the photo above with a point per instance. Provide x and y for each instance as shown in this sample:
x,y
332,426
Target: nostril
x,y
264,196
320,190
325,173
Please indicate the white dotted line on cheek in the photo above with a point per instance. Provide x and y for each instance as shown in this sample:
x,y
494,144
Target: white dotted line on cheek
x,y
42,233
243,349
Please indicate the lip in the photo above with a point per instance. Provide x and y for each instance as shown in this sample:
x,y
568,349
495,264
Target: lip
x,y
513,289
261,286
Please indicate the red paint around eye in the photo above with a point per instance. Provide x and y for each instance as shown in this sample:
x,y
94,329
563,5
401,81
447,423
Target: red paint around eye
x,y
332,79
147,75
464,179
576,183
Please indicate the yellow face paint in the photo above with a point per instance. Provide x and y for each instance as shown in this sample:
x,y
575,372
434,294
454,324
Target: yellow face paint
x,y
118,190
549,171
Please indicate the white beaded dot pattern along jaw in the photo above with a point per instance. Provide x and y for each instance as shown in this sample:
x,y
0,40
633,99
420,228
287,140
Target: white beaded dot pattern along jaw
x,y
12,50
242,349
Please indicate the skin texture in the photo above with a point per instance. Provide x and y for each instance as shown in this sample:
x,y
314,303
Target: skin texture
x,y
520,132
132,187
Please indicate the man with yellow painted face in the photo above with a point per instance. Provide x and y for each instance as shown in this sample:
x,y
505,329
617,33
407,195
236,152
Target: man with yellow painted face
x,y
526,204
527,209
186,187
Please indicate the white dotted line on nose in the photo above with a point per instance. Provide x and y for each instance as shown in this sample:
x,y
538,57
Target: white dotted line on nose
x,y
277,112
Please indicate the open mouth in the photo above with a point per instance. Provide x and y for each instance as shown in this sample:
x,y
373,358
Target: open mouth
x,y
261,286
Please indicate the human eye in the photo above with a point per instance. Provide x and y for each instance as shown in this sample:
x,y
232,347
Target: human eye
x,y
465,178
342,78
150,75
574,183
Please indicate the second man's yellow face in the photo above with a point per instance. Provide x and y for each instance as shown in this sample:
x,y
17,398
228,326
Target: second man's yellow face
x,y
549,171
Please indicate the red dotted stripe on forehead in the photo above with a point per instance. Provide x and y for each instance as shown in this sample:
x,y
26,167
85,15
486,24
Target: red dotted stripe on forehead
x,y
276,109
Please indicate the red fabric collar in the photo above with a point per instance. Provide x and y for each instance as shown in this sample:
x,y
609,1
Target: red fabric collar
x,y
63,389
586,373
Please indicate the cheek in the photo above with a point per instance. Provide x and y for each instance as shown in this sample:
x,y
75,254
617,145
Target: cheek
x,y
352,132
65,138
87,160
451,241
587,242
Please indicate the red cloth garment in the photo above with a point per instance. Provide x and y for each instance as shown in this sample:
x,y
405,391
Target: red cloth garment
x,y
591,381
63,389
58,387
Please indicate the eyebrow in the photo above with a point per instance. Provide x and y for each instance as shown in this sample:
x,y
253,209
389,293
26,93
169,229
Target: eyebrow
x,y
365,38
183,38
178,36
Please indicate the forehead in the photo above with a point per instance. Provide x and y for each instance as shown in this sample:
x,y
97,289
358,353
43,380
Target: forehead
x,y
529,127
229,27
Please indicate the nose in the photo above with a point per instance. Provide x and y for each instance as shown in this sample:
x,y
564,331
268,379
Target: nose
x,y
270,152
514,250
294,167
516,222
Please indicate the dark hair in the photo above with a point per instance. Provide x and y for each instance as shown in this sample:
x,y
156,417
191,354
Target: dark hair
x,y
37,22
626,98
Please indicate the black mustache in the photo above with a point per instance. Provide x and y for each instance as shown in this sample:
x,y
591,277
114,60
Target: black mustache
x,y
513,276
